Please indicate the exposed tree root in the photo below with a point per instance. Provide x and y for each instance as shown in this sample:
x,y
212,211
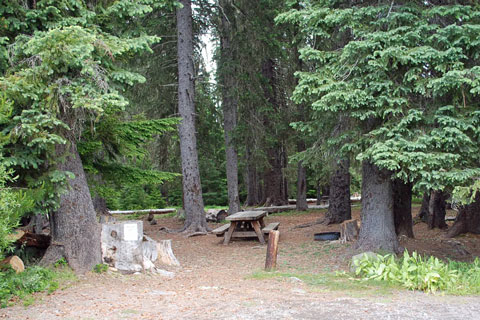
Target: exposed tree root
x,y
52,255
198,233
310,224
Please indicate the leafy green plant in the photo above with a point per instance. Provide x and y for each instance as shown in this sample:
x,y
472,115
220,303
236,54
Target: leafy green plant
x,y
12,206
32,280
100,268
61,263
413,271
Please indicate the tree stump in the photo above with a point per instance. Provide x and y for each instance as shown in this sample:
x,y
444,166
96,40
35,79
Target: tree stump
x,y
14,262
164,249
122,245
349,230
126,248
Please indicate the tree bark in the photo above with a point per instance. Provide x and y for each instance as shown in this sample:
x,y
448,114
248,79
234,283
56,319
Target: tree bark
x,y
402,208
229,105
192,189
252,184
274,187
301,187
437,210
423,214
273,177
468,219
339,208
377,231
74,229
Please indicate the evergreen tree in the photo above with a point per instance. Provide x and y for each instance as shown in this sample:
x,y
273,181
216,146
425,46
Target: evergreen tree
x,y
405,73
65,71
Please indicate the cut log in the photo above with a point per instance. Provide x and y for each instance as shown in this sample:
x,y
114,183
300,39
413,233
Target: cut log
x,y
30,239
16,235
164,249
14,262
349,230
272,250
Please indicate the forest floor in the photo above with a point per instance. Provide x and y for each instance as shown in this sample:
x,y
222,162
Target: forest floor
x,y
227,282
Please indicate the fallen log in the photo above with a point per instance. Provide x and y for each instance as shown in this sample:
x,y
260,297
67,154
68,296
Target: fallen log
x,y
36,240
149,211
216,215
15,235
276,209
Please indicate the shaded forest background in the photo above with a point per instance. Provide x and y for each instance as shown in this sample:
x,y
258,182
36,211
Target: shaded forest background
x,y
308,99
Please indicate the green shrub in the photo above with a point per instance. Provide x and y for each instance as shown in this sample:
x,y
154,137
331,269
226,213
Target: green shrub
x,y
411,271
13,204
32,280
100,268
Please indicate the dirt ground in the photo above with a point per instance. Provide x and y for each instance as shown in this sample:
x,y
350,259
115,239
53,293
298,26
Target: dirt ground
x,y
226,282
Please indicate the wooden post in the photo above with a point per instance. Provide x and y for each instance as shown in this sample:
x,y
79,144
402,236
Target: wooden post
x,y
272,250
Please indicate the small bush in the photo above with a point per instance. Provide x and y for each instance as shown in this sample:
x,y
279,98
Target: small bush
x,y
100,268
13,205
32,280
415,272
62,262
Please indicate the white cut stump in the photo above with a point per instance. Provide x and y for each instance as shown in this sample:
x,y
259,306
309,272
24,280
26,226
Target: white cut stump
x,y
125,248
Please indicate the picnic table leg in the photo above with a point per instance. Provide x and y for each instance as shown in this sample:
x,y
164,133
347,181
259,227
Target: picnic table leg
x,y
262,224
229,233
258,231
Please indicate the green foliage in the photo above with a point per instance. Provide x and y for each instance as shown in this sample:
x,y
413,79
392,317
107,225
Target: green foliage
x,y
100,268
32,280
13,204
404,76
65,71
117,152
415,272
60,263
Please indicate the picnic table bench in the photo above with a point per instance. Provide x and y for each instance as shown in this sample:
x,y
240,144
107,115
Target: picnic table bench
x,y
245,224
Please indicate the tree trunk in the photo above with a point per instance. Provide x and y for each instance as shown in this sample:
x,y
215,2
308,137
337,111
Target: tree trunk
x,y
192,189
74,229
301,187
274,192
273,176
468,219
229,105
252,184
402,208
437,210
339,208
423,214
377,231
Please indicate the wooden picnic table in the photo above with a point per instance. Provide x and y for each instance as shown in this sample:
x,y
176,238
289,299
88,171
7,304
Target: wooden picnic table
x,y
246,224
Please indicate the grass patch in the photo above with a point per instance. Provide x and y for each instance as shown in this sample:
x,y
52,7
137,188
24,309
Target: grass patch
x,y
332,282
297,213
142,215
21,286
